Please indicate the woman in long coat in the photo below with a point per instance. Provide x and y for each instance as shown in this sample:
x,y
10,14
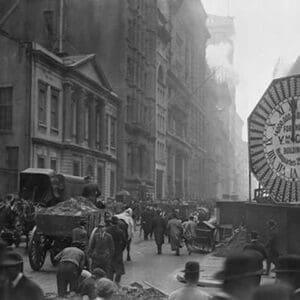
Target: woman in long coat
x,y
175,231
159,227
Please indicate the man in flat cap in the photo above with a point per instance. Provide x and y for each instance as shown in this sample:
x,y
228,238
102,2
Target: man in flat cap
x,y
18,286
288,271
240,276
190,291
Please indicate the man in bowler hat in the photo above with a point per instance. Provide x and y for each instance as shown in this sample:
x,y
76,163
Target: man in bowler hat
x,y
17,285
240,276
190,291
288,272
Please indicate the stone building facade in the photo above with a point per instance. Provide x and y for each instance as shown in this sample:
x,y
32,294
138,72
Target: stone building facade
x,y
186,116
153,53
69,113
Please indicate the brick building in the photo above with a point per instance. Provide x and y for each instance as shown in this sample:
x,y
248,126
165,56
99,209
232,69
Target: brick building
x,y
60,113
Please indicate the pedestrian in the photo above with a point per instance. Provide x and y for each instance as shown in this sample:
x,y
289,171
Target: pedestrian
x,y
102,249
159,228
120,245
272,292
240,276
272,244
105,289
17,285
71,261
87,287
175,232
80,236
189,233
190,291
146,222
288,272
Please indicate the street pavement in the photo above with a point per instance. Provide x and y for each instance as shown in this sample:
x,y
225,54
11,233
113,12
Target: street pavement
x,y
146,267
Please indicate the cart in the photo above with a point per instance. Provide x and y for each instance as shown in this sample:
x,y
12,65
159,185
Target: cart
x,y
53,233
46,189
205,238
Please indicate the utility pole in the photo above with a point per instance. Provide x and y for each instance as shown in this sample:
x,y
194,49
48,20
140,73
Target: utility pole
x,y
61,26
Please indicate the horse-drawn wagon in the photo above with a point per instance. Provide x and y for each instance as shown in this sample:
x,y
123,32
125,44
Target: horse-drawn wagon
x,y
59,209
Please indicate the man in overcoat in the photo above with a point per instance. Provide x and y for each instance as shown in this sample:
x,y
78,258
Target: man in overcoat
x,y
120,244
159,228
102,249
175,232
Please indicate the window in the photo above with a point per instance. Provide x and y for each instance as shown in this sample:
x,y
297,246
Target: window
x,y
54,109
12,158
130,69
76,168
41,161
129,109
89,171
107,131
100,177
6,108
42,104
74,118
112,183
129,160
113,132
49,22
98,128
53,163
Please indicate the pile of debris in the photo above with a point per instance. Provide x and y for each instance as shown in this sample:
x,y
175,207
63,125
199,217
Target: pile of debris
x,y
137,292
134,291
74,206
233,244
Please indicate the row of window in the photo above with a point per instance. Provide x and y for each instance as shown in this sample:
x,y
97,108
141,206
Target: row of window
x,y
138,161
160,151
161,121
138,112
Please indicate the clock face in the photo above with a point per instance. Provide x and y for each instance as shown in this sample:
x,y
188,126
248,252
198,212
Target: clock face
x,y
274,139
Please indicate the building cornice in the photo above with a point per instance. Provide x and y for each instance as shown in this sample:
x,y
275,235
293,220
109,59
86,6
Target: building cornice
x,y
74,147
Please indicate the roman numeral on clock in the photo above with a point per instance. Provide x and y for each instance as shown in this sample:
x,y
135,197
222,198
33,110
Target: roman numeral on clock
x,y
280,168
293,173
271,156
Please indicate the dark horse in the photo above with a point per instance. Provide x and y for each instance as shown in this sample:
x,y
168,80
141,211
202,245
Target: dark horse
x,y
124,227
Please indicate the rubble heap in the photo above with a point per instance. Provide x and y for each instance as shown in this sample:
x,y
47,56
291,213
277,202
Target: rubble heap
x,y
74,206
137,292
133,292
234,244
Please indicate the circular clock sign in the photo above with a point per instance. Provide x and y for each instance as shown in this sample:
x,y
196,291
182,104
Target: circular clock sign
x,y
274,139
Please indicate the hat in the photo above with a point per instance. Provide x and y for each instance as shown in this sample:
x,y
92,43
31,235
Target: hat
x,y
288,264
99,272
253,235
11,258
240,265
114,220
104,287
191,267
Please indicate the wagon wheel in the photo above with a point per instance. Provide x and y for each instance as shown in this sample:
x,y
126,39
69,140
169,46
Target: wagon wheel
x,y
37,250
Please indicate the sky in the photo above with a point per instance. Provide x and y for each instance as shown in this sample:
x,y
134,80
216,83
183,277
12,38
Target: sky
x,y
265,30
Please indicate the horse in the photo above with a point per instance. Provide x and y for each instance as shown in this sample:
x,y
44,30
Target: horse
x,y
125,223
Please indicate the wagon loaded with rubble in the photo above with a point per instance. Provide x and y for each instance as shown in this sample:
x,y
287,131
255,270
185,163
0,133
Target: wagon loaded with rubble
x,y
59,209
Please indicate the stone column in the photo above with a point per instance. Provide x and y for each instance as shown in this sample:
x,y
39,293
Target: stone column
x,y
92,122
102,106
67,112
